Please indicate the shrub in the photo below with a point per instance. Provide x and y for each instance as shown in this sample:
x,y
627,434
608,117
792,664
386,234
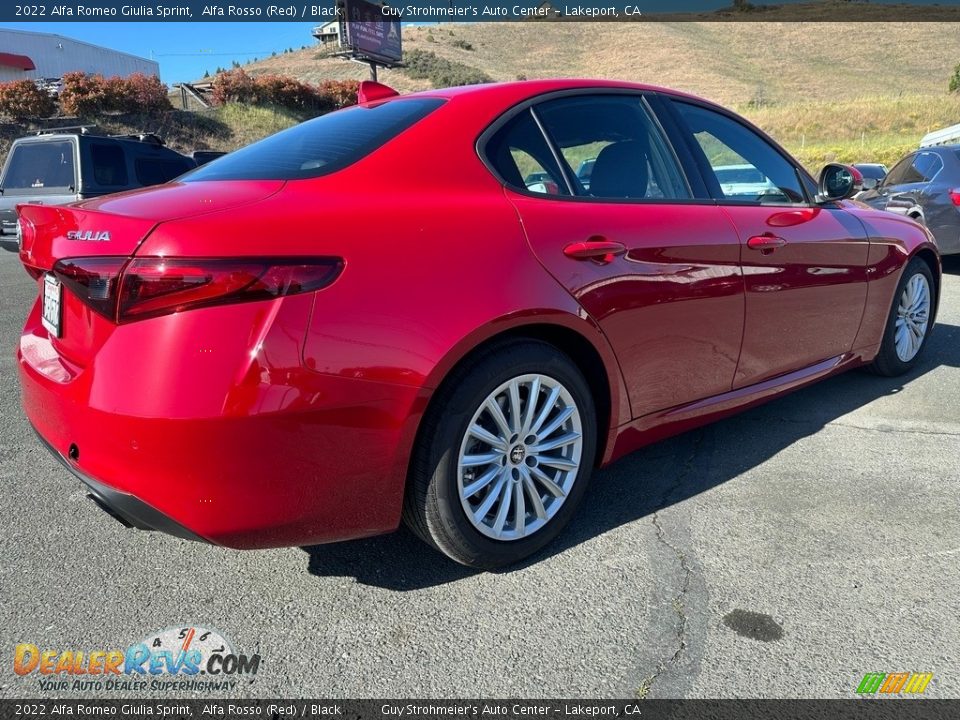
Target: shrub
x,y
462,44
83,94
145,93
236,86
423,64
287,92
22,99
341,93
233,86
87,95
955,80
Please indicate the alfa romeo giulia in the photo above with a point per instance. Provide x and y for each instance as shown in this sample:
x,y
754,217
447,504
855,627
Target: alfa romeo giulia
x,y
371,316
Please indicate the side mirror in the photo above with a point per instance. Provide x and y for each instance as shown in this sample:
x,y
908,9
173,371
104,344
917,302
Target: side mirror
x,y
839,182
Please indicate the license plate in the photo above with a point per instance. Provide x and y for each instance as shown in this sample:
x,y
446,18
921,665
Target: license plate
x,y
52,296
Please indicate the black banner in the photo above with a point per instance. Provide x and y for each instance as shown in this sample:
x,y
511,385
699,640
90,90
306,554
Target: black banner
x,y
321,11
913,709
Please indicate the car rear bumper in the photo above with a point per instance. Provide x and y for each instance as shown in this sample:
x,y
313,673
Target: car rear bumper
x,y
296,458
126,508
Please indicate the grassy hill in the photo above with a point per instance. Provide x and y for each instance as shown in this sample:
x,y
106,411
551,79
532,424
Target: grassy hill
x,y
731,63
845,91
862,91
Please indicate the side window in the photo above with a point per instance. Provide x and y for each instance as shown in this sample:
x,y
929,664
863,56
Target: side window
x,y
746,168
520,155
612,148
899,172
109,165
925,167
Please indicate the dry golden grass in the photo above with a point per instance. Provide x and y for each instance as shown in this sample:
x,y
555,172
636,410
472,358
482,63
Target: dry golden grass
x,y
847,91
729,62
869,129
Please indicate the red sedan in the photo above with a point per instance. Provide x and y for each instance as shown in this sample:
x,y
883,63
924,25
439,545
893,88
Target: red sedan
x,y
416,308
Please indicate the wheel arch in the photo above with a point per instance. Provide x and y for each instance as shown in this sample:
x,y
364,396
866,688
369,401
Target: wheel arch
x,y
594,358
932,259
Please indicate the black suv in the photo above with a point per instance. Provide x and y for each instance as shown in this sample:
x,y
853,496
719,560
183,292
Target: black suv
x,y
67,164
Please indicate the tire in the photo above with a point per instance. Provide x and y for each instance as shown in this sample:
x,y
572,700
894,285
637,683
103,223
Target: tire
x,y
448,463
896,357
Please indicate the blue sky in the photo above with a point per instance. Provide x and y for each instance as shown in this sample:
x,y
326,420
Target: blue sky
x,y
184,50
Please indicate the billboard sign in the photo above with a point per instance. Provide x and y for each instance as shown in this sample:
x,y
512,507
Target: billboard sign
x,y
365,31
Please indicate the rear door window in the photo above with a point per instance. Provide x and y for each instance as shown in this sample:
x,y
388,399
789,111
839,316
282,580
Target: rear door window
x,y
926,166
40,167
614,146
109,165
320,146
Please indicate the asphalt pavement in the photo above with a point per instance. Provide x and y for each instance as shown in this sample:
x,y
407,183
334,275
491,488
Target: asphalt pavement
x,y
781,553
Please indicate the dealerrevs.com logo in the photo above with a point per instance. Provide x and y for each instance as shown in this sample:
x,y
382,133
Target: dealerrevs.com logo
x,y
179,659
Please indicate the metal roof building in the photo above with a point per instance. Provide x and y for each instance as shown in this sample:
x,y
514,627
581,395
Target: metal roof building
x,y
35,55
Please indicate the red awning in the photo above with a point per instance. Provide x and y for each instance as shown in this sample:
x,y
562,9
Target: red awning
x,y
20,62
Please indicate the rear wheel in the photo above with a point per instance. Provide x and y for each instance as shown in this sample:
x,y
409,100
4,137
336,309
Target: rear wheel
x,y
909,323
504,455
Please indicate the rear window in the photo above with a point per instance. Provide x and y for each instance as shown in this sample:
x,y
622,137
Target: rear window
x,y
40,167
320,146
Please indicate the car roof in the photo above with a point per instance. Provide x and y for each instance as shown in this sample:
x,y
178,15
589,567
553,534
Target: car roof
x,y
519,90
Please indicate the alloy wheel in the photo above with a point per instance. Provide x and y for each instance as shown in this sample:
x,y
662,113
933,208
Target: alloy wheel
x,y
913,316
519,457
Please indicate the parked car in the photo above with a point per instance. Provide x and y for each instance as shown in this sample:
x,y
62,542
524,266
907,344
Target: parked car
x,y
540,182
334,327
743,181
584,171
202,157
70,164
925,186
873,174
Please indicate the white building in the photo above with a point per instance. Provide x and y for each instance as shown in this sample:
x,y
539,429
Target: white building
x,y
35,56
947,136
328,34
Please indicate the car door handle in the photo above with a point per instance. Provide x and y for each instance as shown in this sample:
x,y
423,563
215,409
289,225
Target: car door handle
x,y
597,248
767,242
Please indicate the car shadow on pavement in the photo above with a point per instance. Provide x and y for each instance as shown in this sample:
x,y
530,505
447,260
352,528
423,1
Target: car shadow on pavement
x,y
636,486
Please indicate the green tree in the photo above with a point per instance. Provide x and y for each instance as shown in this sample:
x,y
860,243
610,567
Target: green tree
x,y
955,80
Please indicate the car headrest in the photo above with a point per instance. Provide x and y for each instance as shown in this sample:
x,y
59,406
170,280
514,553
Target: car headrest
x,y
621,171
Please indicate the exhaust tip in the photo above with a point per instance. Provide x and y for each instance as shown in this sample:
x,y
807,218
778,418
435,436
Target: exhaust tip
x,y
74,452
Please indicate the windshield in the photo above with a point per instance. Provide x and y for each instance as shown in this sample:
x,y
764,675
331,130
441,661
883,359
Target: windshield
x,y
40,167
320,146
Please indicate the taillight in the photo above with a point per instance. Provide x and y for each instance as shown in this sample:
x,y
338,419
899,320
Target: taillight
x,y
955,196
94,280
124,290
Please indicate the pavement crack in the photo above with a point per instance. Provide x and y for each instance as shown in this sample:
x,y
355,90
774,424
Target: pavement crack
x,y
679,608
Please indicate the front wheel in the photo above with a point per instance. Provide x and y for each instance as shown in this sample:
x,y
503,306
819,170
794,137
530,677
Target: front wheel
x,y
504,455
909,323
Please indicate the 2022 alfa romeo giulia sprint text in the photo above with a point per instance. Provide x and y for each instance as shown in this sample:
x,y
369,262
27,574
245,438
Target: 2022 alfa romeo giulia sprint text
x,y
371,316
